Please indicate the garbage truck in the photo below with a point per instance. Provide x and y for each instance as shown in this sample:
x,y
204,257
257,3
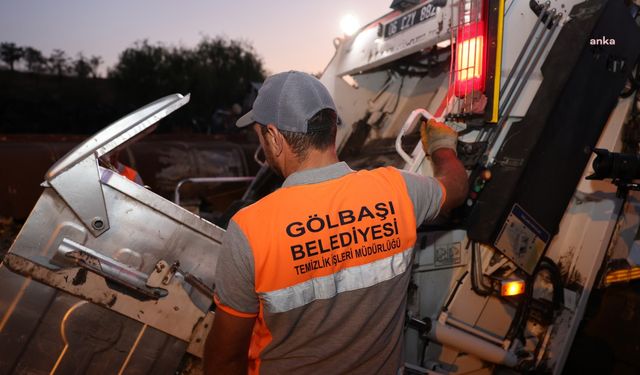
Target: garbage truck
x,y
106,276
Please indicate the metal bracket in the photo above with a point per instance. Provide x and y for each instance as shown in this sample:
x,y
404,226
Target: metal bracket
x,y
80,188
107,267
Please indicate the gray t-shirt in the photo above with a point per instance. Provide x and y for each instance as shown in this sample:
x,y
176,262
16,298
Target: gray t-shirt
x,y
324,264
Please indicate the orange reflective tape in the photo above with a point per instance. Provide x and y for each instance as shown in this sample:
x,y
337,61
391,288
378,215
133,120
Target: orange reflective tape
x,y
260,339
307,231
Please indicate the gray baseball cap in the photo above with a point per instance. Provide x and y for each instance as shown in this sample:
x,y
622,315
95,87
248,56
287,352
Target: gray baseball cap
x,y
288,100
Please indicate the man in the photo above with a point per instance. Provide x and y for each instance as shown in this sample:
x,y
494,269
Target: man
x,y
314,276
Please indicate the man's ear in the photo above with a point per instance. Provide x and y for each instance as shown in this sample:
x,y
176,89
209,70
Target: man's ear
x,y
275,139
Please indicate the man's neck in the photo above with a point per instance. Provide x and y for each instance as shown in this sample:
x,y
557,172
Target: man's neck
x,y
315,159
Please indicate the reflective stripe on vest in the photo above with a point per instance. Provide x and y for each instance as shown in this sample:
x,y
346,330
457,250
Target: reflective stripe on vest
x,y
348,279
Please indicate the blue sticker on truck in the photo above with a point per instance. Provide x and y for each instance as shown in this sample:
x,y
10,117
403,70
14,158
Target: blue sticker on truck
x,y
531,223
522,239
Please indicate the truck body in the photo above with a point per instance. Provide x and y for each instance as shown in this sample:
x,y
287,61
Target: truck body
x,y
548,94
123,277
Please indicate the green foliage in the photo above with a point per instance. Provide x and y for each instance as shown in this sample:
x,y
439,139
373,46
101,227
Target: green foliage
x,y
94,63
81,67
10,53
59,63
217,72
36,62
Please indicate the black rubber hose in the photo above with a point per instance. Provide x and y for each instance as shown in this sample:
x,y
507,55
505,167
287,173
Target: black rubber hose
x,y
522,313
556,279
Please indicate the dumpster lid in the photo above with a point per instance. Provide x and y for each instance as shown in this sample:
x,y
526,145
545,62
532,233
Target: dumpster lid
x,y
119,132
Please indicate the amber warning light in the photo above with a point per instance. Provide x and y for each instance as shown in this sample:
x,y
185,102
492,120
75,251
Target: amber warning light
x,y
624,275
512,288
470,59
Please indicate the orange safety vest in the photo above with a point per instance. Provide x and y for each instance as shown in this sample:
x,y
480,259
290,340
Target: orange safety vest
x,y
301,234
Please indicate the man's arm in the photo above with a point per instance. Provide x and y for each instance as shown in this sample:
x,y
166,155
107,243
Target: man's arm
x,y
439,141
450,172
227,347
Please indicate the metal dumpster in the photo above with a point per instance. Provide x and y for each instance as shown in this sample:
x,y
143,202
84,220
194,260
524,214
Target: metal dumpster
x,y
106,276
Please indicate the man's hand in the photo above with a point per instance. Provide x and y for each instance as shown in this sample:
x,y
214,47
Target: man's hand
x,y
226,350
439,141
436,135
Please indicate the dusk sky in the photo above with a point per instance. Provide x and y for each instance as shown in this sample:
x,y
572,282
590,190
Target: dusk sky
x,y
286,34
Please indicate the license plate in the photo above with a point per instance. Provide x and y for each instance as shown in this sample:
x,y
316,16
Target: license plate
x,y
410,19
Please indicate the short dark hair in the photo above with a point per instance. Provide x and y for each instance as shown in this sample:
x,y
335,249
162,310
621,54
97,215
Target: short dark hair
x,y
325,123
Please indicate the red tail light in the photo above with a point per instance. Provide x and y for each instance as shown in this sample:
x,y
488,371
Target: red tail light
x,y
470,64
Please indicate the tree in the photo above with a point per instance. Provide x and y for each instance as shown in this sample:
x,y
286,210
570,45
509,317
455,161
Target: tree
x,y
94,63
36,62
137,72
81,66
10,54
217,72
59,62
229,64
